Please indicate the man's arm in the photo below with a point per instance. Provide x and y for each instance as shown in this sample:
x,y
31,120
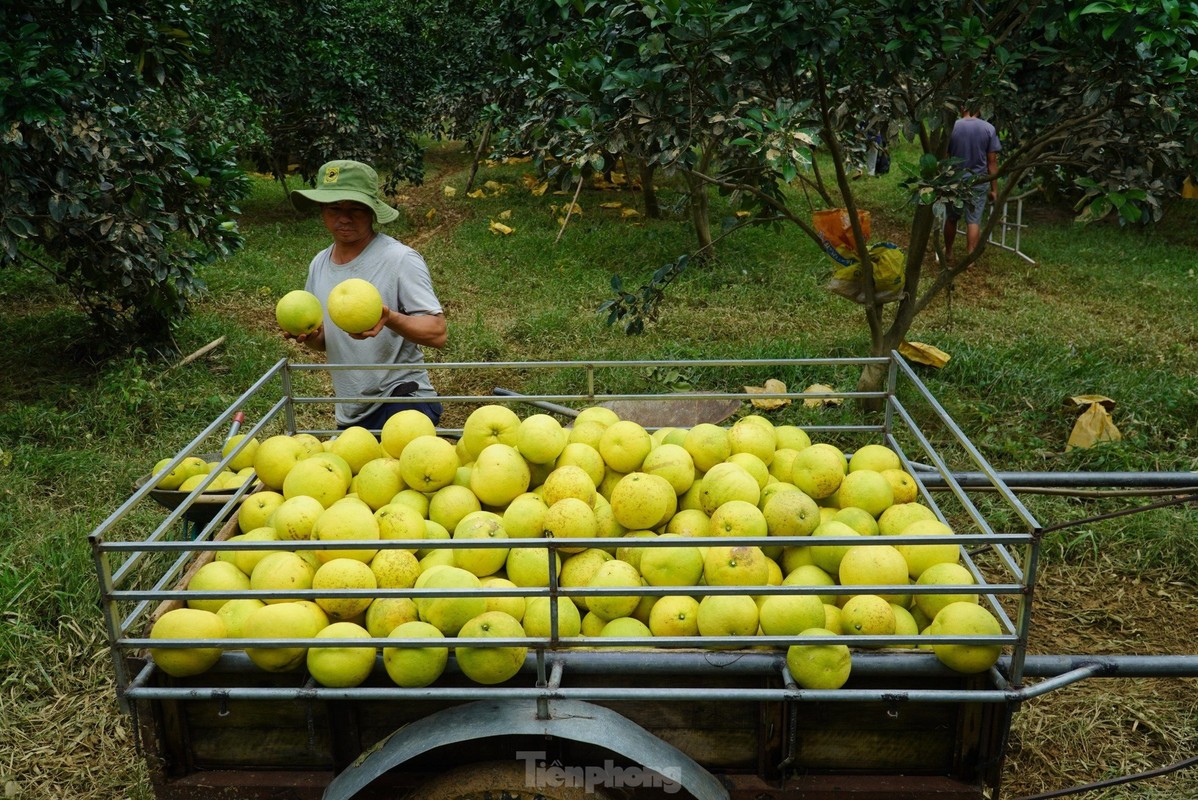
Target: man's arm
x,y
429,330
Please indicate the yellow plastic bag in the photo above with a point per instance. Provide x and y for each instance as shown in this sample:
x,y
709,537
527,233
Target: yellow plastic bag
x,y
889,264
1095,424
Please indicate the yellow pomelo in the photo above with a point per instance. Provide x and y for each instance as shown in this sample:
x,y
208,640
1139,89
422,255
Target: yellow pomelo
x,y
413,666
613,574
725,482
529,566
246,560
626,628
858,519
945,574
537,618
827,556
738,518
867,615
790,513
966,619
450,504
790,614
921,556
280,621
499,475
339,574
794,557
671,566
281,571
187,623
895,519
299,312
832,618
256,509
791,437
588,432
568,480
875,565
275,457
754,466
866,489
811,575
624,445
628,551
395,569
524,517
490,665
708,444
434,532
188,467
540,438
592,624
689,522
490,424
753,435
378,481
510,603
315,477
782,465
216,576
294,518
355,305
234,612
740,565
641,501
902,485
727,615
341,666
309,443
599,414
402,427
819,666
428,463
449,614
401,521
672,462
875,457
578,569
570,518
416,500
348,519
385,614
484,526
818,470
904,623
674,615
245,456
357,445
586,456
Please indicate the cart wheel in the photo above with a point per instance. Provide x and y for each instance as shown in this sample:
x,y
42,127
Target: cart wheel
x,y
501,780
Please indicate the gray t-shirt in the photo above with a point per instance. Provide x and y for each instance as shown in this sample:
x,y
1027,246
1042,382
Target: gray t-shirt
x,y
402,278
972,140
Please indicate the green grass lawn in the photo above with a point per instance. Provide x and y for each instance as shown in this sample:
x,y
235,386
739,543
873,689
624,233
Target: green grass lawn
x,y
1105,310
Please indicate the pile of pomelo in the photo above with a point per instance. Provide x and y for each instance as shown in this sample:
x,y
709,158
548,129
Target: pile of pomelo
x,y
509,478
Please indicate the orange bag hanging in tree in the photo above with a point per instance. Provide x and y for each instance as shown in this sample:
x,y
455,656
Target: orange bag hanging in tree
x,y
835,229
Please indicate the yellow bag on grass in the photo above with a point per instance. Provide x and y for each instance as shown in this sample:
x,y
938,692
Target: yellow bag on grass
x,y
889,261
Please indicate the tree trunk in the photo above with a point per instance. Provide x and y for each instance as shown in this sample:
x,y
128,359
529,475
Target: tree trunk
x,y
700,212
649,191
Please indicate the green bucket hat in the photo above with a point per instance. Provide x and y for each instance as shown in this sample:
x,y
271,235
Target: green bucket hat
x,y
345,180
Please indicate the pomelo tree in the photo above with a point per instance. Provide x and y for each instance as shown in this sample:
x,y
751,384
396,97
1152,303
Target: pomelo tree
x,y
1094,101
119,176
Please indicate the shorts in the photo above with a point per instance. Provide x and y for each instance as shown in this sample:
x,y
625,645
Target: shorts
x,y
973,208
384,411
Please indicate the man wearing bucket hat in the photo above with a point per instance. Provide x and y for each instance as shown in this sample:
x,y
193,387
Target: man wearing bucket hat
x,y
347,198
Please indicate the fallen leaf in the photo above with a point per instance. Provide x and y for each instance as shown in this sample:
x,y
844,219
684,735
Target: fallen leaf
x,y
449,191
505,214
741,214
1085,400
629,212
477,194
432,212
499,227
613,204
772,386
922,353
818,402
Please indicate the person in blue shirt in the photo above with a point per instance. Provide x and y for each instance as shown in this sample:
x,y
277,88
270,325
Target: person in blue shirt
x,y
975,142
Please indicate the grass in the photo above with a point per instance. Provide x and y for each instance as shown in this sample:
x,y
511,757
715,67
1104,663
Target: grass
x,y
1105,310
